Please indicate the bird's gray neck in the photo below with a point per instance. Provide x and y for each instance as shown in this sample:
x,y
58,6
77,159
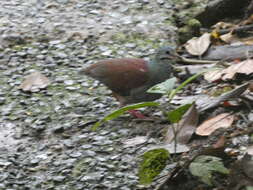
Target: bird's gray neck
x,y
159,70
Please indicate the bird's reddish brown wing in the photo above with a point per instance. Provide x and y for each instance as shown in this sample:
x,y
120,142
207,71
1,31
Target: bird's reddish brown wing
x,y
120,75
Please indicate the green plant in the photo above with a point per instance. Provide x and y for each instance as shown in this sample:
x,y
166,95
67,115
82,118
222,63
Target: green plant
x,y
121,111
166,88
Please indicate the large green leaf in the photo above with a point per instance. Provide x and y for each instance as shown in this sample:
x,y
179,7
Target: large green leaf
x,y
121,111
175,116
204,166
164,87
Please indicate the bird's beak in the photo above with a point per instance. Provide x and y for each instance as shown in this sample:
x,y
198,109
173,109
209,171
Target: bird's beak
x,y
174,56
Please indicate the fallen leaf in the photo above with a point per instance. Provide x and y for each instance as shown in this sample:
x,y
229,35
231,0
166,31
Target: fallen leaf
x,y
223,120
34,82
244,67
198,99
135,141
249,20
198,46
204,166
212,102
185,128
213,75
228,38
220,143
223,25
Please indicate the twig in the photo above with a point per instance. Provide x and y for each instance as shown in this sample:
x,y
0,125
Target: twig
x,y
196,61
238,29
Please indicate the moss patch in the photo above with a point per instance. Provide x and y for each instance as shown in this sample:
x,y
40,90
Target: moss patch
x,y
220,91
152,164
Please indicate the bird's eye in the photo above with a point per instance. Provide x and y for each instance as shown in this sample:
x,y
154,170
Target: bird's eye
x,y
167,52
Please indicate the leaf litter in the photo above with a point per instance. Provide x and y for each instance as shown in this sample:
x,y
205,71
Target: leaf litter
x,y
34,82
223,120
244,67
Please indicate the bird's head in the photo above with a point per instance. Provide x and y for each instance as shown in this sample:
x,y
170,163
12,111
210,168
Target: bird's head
x,y
166,53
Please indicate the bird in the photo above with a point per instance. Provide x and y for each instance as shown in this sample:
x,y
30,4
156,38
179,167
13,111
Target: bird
x,y
130,78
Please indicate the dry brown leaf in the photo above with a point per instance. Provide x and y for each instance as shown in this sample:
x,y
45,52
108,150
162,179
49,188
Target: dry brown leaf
x,y
220,143
223,120
223,25
198,46
185,128
229,38
249,20
34,82
215,101
189,123
244,67
213,75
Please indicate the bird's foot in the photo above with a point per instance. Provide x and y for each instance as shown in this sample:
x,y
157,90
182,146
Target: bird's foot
x,y
137,114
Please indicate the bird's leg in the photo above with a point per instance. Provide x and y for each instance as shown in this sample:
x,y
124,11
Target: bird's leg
x,y
122,102
137,114
121,99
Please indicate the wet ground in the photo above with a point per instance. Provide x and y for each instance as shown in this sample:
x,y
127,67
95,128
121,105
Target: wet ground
x,y
44,140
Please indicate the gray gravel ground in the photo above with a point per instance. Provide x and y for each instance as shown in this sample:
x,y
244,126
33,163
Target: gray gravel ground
x,y
42,143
